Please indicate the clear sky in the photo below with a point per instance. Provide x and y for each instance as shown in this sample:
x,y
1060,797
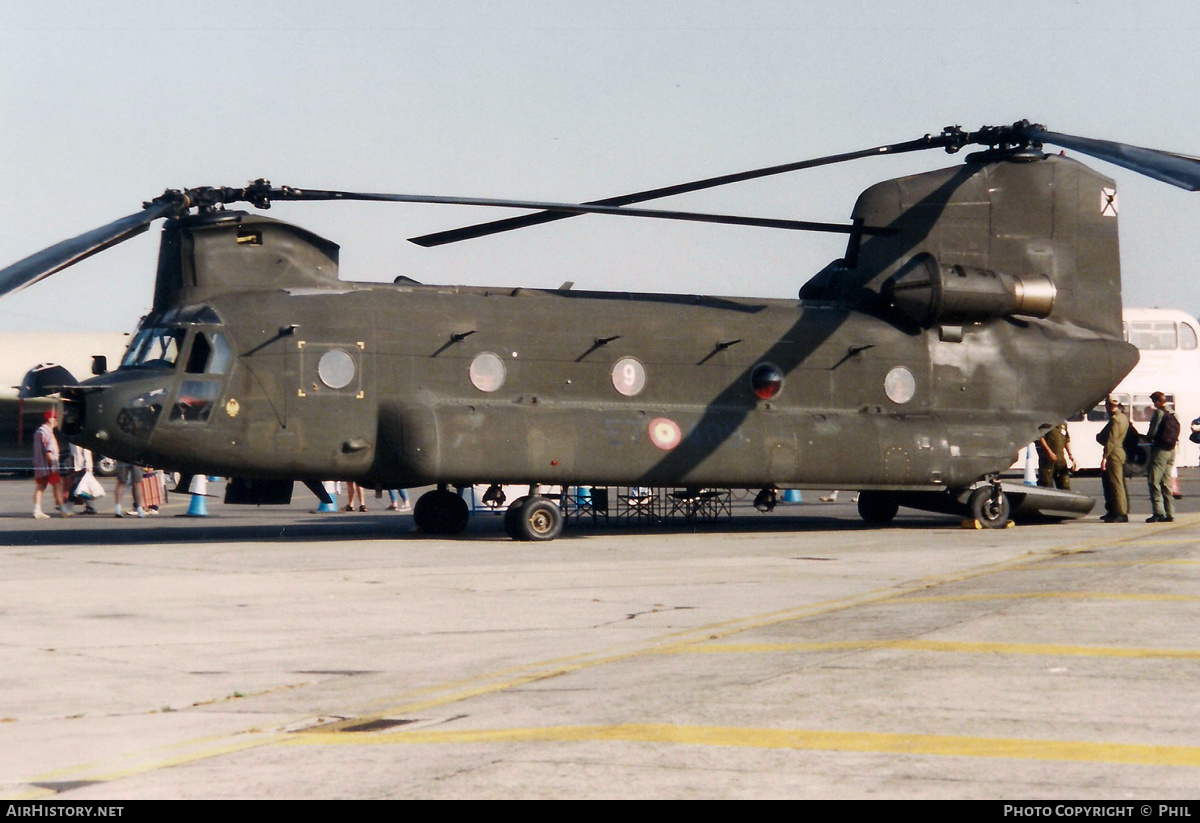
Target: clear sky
x,y
105,105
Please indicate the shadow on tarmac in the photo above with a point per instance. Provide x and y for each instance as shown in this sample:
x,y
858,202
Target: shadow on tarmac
x,y
80,531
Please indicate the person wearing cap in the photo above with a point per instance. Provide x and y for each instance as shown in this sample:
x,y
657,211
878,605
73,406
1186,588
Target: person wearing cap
x,y
1112,463
1162,458
45,466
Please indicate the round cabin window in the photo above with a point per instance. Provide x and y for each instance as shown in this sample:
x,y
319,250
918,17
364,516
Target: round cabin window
x,y
487,372
766,381
336,369
900,385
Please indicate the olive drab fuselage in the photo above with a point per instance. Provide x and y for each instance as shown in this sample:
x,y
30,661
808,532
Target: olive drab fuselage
x,y
921,361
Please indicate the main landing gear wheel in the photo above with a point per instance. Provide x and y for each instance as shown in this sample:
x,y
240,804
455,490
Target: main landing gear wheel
x,y
877,508
441,512
510,517
533,518
989,506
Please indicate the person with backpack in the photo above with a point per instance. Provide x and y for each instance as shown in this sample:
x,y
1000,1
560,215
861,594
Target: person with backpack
x,y
1163,435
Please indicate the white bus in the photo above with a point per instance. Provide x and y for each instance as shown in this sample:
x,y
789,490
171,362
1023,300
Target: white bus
x,y
1169,343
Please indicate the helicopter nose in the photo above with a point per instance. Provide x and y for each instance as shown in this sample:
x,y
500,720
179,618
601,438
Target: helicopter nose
x,y
73,408
84,418
139,414
115,419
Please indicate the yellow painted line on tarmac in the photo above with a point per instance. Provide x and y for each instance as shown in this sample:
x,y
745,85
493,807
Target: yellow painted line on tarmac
x,y
145,762
1051,565
32,794
1079,751
962,598
1040,649
78,771
249,742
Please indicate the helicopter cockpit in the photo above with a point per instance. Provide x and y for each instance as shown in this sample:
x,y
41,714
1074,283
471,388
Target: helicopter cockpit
x,y
160,341
188,341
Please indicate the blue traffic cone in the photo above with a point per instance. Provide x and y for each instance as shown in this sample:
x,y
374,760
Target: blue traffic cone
x,y
199,489
331,490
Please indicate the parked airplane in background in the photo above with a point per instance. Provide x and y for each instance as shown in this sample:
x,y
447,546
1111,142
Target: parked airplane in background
x,y
1168,342
20,352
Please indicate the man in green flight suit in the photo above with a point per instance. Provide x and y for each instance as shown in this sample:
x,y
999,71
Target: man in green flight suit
x,y
1054,450
1112,463
1163,438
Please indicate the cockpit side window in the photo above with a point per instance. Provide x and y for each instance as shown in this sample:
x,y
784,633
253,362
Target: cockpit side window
x,y
198,358
195,401
210,354
221,353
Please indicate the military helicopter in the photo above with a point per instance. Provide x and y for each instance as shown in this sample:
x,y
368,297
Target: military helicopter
x,y
912,369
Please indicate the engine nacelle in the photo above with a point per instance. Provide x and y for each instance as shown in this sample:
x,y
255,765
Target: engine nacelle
x,y
930,293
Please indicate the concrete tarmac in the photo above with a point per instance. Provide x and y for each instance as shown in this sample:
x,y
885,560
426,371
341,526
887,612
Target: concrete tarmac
x,y
275,653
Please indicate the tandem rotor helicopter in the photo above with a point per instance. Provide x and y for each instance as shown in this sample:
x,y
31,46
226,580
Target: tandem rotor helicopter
x,y
912,369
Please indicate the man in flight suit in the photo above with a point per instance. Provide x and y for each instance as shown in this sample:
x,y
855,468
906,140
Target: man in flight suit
x,y
1054,451
1162,457
1112,463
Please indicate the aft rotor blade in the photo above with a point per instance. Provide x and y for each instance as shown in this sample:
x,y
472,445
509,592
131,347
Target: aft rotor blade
x,y
522,221
69,252
569,209
1177,169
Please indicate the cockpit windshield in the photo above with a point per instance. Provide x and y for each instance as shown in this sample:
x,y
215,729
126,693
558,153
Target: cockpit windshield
x,y
155,347
160,340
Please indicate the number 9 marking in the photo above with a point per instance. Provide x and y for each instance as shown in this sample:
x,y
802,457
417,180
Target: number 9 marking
x,y
628,376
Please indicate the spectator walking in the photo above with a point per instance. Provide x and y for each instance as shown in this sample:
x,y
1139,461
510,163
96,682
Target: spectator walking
x,y
45,467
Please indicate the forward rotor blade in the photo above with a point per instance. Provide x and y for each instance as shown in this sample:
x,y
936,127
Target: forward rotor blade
x,y
522,221
1177,169
69,252
570,209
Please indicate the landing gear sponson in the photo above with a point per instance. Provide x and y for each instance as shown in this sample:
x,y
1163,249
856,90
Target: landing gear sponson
x,y
991,501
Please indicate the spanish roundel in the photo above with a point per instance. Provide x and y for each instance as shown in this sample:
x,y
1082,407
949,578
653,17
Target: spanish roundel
x,y
665,433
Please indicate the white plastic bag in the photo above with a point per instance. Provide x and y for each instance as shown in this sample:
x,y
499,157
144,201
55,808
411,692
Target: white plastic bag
x,y
89,487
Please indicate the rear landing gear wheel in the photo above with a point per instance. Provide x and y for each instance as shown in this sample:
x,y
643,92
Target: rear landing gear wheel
x,y
537,518
989,506
510,517
441,512
877,508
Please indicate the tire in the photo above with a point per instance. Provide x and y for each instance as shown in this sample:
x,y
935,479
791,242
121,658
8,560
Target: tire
x,y
539,519
104,467
991,514
441,512
877,508
423,513
511,514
